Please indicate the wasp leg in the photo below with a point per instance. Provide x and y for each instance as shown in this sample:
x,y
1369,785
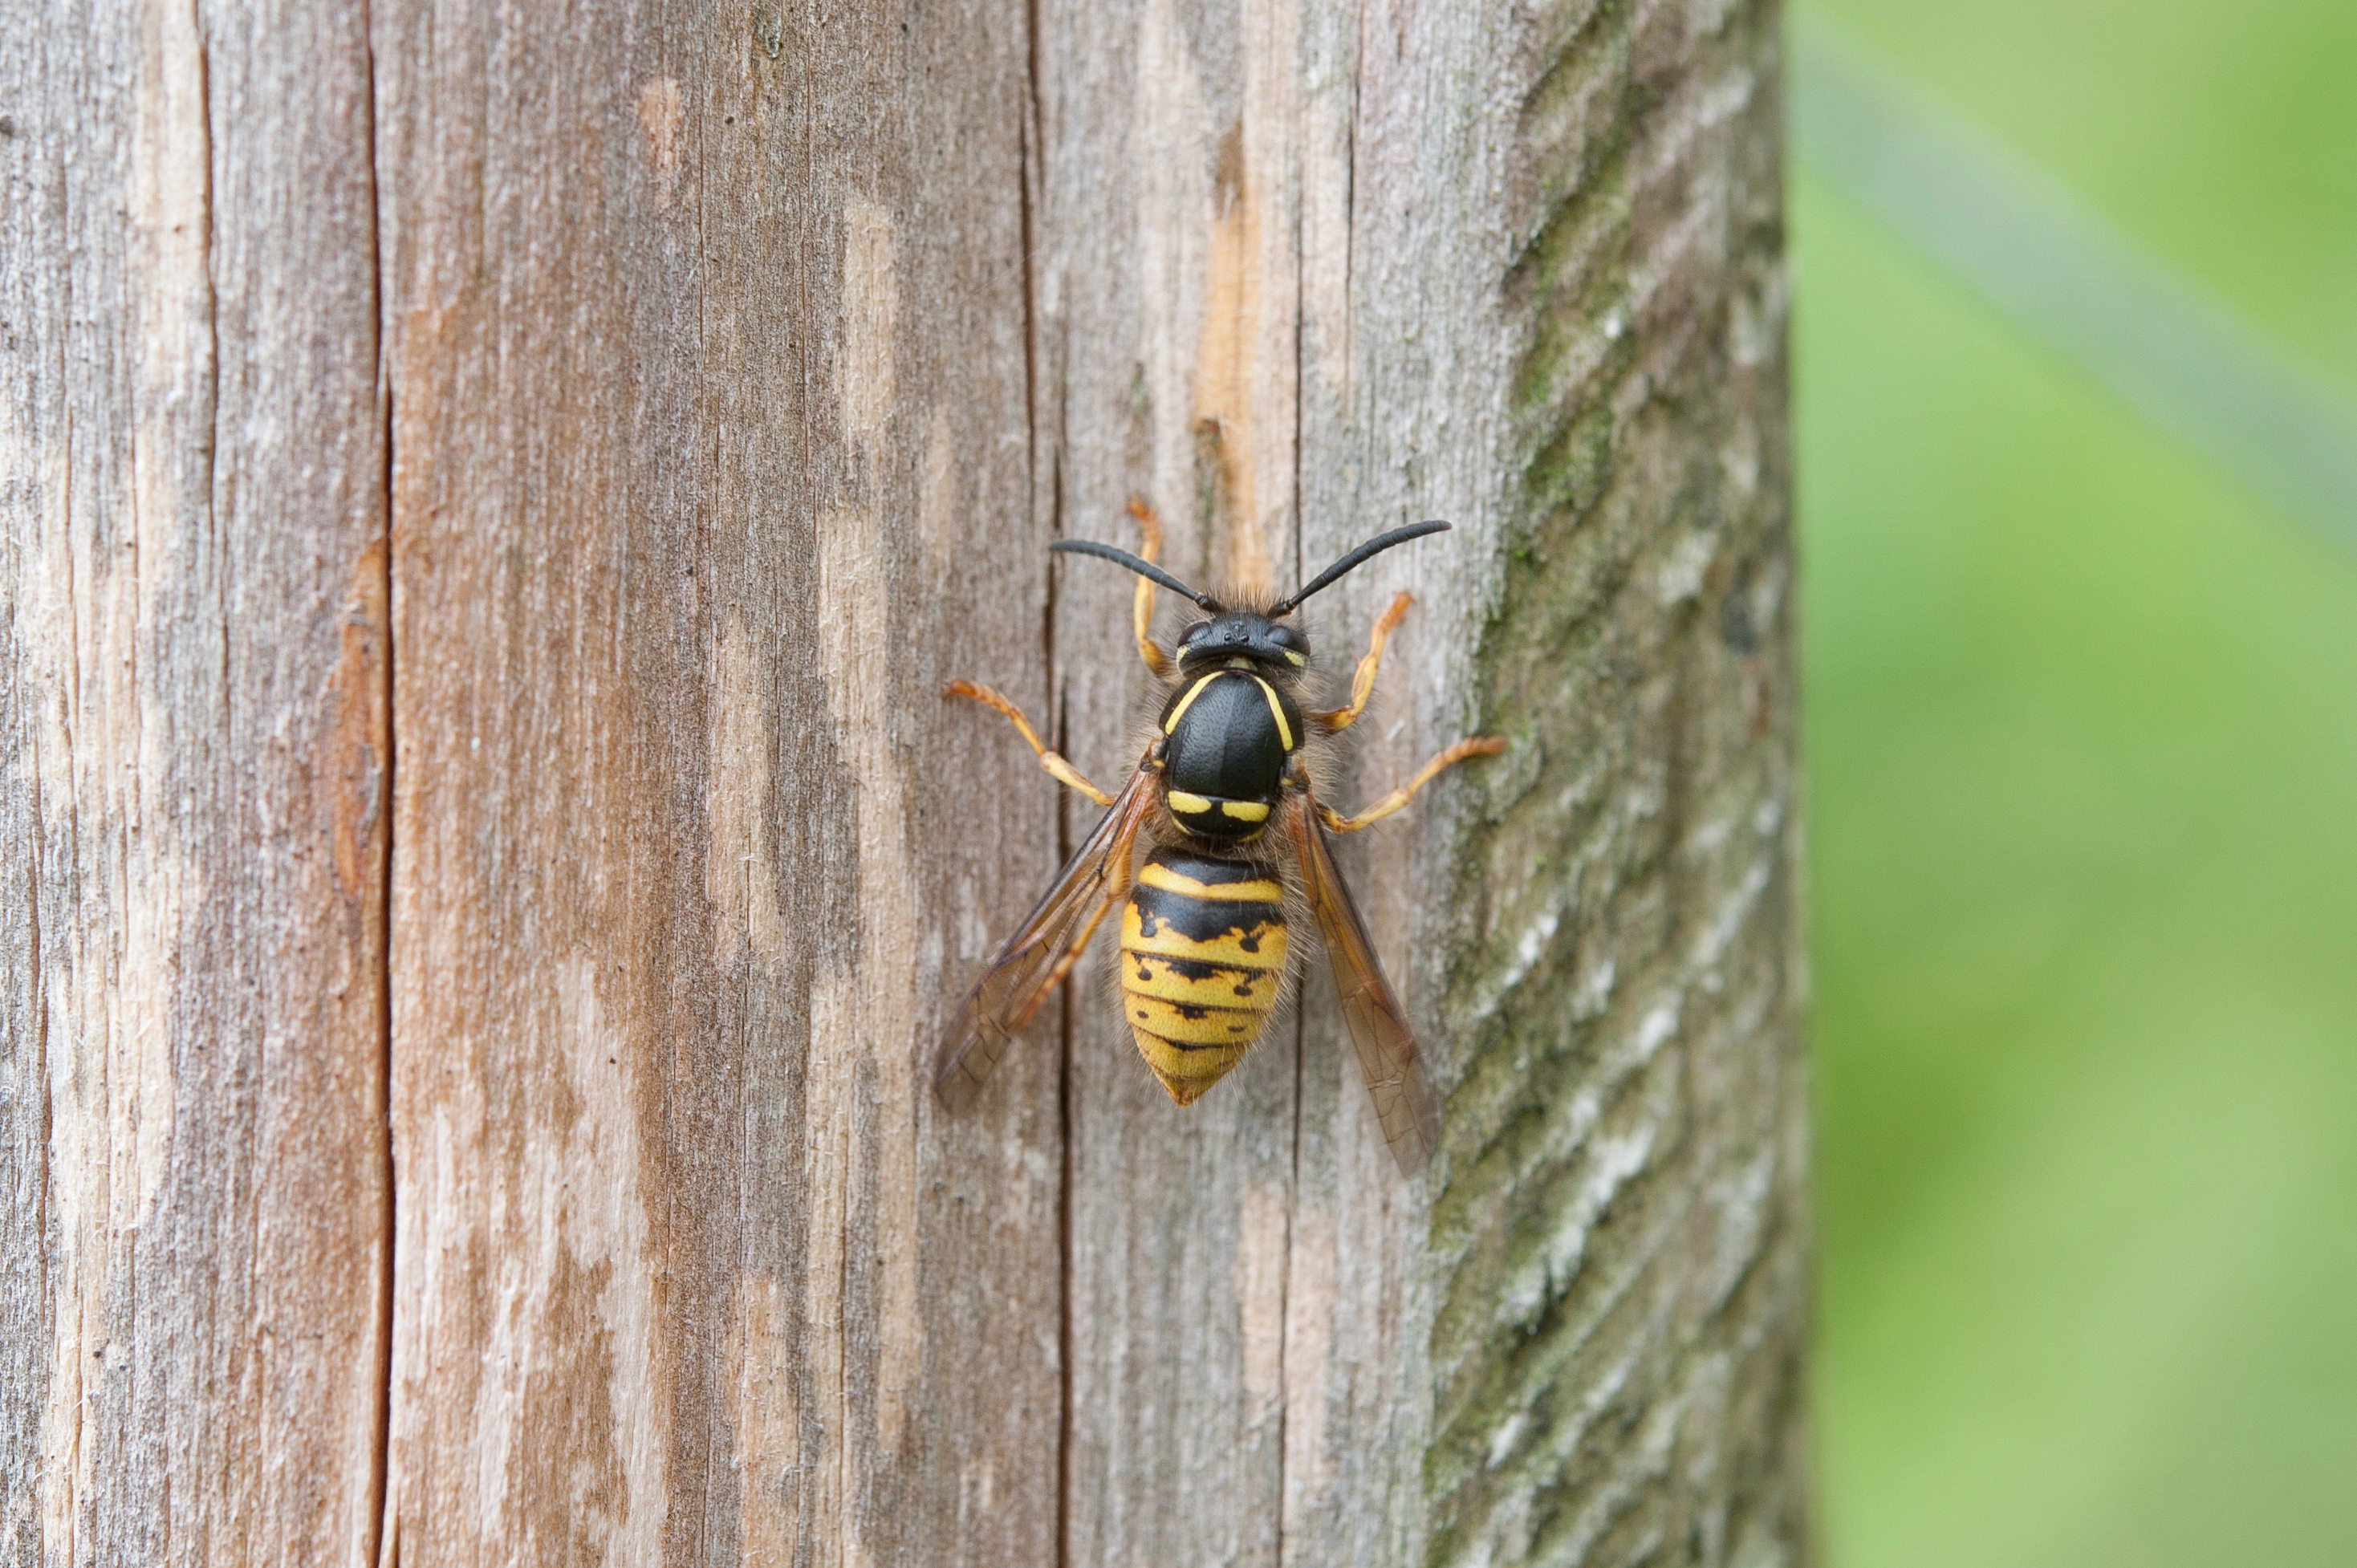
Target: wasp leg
x,y
1479,745
1141,614
1362,681
1063,772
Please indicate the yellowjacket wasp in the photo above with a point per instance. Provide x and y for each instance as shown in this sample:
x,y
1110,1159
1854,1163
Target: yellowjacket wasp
x,y
1223,797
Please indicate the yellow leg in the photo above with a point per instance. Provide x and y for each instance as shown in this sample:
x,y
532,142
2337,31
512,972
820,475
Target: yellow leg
x,y
1141,614
1479,745
1061,770
1362,682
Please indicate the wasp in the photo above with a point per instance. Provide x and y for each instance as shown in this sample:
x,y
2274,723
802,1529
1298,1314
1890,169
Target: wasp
x,y
1224,800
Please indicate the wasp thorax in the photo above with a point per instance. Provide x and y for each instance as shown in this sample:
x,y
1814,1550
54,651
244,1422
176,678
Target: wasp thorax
x,y
1240,634
1227,733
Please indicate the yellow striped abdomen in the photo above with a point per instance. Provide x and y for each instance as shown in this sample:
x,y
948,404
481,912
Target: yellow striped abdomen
x,y
1202,959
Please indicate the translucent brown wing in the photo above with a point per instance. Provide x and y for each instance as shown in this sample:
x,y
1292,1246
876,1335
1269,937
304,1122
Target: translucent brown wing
x,y
1405,1100
1027,967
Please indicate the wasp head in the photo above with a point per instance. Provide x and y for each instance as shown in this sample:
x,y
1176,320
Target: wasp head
x,y
1255,634
1233,634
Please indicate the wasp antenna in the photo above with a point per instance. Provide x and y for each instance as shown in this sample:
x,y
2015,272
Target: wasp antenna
x,y
1146,569
1356,558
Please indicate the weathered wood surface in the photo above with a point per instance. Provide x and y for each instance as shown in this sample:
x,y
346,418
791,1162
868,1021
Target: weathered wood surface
x,y
710,467
738,366
1307,272
193,767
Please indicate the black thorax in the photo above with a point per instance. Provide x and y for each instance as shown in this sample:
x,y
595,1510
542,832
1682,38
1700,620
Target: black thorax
x,y
1229,733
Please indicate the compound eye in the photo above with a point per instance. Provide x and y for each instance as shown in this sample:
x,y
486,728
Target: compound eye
x,y
1291,643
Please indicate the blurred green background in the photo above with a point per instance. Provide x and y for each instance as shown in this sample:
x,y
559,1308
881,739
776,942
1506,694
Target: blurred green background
x,y
2083,736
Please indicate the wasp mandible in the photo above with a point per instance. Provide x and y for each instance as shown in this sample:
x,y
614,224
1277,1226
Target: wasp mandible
x,y
1235,837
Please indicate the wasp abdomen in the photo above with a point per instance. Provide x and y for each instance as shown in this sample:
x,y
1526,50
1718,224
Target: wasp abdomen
x,y
1202,959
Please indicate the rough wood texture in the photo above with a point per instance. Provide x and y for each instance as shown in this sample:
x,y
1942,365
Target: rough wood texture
x,y
1620,1256
738,365
1308,271
192,780
710,468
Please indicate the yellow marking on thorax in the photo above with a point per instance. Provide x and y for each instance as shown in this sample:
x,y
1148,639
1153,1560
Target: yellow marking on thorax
x,y
1260,890
1244,810
1277,712
1170,725
1181,801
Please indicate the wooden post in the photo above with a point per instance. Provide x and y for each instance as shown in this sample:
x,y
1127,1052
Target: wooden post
x,y
492,496
194,763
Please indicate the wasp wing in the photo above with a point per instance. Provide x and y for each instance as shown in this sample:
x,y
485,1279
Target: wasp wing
x,y
1405,1100
1034,959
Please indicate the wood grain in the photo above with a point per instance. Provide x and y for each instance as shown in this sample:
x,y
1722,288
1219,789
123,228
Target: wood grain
x,y
1164,369
192,819
1312,271
495,856
710,468
1618,1261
